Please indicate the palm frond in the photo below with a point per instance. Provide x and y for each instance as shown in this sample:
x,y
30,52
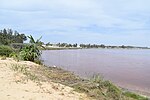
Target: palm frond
x,y
38,40
31,39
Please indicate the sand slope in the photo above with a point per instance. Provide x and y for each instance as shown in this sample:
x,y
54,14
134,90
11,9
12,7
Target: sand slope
x,y
13,87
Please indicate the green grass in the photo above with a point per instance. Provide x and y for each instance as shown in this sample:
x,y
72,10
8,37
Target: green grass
x,y
23,69
135,96
97,87
5,50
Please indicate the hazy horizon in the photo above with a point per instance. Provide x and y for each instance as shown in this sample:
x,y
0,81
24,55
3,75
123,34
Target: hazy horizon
x,y
109,22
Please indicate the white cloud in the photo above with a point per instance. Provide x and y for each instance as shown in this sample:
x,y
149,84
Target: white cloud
x,y
105,18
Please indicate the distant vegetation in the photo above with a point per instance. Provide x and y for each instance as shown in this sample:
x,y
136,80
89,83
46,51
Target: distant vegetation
x,y
62,44
9,36
5,50
104,46
68,45
9,39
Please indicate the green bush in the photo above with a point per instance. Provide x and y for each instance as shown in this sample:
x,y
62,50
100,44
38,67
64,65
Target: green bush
x,y
30,53
18,46
135,96
15,56
5,50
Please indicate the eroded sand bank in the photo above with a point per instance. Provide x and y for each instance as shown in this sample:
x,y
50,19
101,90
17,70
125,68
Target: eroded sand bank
x,y
13,86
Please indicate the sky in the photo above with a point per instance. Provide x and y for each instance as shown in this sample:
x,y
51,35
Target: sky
x,y
110,22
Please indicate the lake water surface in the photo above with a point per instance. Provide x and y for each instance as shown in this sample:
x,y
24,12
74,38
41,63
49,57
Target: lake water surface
x,y
127,68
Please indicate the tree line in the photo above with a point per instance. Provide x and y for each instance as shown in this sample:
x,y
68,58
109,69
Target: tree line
x,y
62,44
8,36
91,46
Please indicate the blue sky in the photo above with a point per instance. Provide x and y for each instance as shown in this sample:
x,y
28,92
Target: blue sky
x,y
110,22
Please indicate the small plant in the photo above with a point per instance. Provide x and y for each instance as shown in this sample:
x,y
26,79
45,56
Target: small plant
x,y
19,68
37,61
23,69
135,96
15,56
5,50
31,52
97,78
3,58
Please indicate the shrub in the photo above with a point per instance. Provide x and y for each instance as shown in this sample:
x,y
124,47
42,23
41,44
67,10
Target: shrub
x,y
15,56
5,50
30,53
18,46
135,96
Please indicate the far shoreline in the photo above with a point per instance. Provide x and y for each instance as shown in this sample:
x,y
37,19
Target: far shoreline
x,y
76,48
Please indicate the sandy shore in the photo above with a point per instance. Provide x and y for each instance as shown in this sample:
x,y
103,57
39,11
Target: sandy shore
x,y
14,86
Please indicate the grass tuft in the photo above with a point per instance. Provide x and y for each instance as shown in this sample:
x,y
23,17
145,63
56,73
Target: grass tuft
x,y
135,96
23,69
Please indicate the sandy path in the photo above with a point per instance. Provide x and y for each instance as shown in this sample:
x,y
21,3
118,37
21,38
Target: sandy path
x,y
12,87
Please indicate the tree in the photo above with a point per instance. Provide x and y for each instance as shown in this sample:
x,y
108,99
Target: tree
x,y
4,32
75,45
8,36
31,52
37,43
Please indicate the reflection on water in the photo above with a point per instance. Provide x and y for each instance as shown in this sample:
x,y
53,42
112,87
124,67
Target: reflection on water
x,y
127,68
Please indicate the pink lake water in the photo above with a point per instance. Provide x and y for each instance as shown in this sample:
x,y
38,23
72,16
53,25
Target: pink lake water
x,y
127,68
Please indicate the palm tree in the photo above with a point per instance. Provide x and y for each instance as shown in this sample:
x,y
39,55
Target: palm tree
x,y
31,52
37,43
